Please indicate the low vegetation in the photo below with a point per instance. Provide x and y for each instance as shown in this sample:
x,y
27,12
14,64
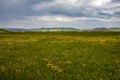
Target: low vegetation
x,y
60,56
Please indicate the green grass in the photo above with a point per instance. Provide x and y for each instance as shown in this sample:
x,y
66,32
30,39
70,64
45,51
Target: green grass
x,y
60,56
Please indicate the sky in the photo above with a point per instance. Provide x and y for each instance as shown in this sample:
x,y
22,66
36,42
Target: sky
x,y
82,14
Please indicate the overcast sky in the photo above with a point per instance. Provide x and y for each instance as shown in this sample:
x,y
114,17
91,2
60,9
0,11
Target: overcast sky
x,y
59,13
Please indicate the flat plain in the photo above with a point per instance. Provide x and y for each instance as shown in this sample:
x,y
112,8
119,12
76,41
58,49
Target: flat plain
x,y
60,56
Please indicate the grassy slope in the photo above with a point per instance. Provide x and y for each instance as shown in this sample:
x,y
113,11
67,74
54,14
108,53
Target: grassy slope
x,y
3,31
60,56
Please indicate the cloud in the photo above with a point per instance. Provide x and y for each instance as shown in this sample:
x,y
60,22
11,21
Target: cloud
x,y
60,21
36,23
59,12
100,3
79,8
61,18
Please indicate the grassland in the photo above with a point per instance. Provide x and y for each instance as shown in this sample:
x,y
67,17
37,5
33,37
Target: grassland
x,y
60,56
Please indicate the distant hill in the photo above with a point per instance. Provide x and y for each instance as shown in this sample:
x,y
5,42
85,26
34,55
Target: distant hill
x,y
101,29
15,29
40,29
2,31
114,29
106,29
56,29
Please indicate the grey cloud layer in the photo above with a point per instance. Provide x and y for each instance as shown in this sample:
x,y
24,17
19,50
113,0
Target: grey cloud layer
x,y
58,10
57,7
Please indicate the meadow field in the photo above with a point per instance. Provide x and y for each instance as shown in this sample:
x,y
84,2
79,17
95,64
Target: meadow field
x,y
60,56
